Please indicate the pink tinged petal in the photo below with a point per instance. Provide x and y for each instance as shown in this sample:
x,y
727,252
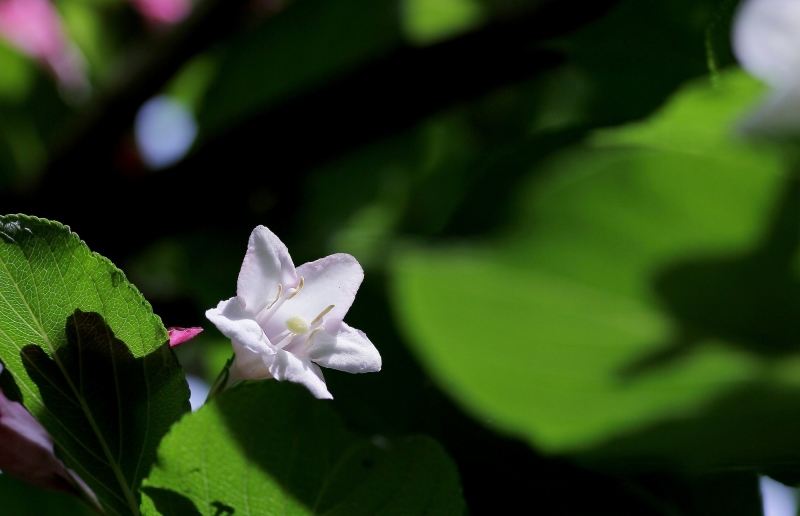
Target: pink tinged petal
x,y
285,366
179,335
248,365
333,280
163,11
266,265
26,450
236,323
344,348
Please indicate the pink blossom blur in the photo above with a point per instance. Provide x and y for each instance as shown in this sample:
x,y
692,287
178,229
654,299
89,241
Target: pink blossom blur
x,y
34,27
165,12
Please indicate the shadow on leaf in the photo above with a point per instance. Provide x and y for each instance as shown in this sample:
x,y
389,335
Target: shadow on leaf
x,y
751,301
170,503
94,386
753,427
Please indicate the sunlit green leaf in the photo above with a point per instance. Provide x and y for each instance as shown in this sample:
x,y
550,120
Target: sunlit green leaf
x,y
271,448
88,355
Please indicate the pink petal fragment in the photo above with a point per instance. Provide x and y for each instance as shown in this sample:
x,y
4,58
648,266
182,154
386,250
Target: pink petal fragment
x,y
167,12
179,335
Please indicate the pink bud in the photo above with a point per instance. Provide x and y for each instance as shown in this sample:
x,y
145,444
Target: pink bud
x,y
180,335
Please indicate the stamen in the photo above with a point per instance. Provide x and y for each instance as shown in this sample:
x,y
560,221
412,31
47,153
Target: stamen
x,y
311,335
279,337
278,296
298,289
285,341
321,315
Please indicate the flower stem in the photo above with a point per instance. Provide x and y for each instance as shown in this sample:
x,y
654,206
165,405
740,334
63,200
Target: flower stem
x,y
222,379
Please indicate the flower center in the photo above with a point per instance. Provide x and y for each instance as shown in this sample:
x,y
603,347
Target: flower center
x,y
297,325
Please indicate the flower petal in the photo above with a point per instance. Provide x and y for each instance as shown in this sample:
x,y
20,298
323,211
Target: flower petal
x,y
248,365
344,348
266,264
237,324
333,280
286,366
766,40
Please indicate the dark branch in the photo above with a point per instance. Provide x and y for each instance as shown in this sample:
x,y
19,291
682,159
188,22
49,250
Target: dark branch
x,y
275,148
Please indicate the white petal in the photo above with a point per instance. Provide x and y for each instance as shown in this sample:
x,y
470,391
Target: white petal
x,y
266,264
248,365
766,40
778,115
344,348
333,280
237,324
286,366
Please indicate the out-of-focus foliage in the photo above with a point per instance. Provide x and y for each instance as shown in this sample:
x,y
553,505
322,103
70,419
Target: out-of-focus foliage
x,y
650,277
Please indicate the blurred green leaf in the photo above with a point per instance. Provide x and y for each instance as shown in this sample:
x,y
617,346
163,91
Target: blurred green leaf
x,y
21,499
16,74
271,448
91,360
429,21
649,276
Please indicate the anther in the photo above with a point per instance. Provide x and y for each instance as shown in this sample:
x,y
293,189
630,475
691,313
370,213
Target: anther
x,y
278,296
298,289
321,315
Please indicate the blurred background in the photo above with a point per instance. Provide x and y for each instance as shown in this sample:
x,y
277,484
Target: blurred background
x,y
582,278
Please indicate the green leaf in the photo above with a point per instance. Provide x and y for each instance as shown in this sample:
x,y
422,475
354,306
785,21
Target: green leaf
x,y
646,299
21,499
271,448
91,360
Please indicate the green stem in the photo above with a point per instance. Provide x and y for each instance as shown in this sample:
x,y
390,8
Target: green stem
x,y
222,379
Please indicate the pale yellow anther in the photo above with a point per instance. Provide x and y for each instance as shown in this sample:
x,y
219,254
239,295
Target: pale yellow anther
x,y
321,315
277,296
297,325
298,289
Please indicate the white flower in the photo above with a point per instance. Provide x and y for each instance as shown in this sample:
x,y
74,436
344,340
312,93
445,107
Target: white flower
x,y
284,322
766,41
